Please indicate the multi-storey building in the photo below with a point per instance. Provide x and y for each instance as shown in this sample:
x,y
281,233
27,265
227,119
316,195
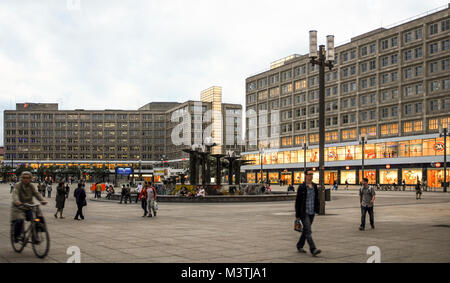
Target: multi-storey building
x,y
37,133
392,85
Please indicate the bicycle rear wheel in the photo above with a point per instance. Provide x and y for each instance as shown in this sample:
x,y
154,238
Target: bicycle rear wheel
x,y
17,247
40,240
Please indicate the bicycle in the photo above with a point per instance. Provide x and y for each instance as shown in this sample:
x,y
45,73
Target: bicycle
x,y
36,234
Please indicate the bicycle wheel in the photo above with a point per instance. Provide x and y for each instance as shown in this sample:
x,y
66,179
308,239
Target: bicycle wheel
x,y
40,239
17,247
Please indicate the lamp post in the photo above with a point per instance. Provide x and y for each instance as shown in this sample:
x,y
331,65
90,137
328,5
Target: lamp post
x,y
305,147
362,141
443,132
322,61
261,159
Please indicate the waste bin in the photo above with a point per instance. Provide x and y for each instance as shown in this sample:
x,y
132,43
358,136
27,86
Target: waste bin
x,y
327,194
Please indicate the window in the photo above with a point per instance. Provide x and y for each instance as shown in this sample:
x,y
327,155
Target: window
x,y
445,64
394,41
418,34
433,48
408,55
433,124
433,67
407,127
418,52
363,67
408,109
445,25
373,48
433,28
445,44
394,59
364,51
418,71
418,107
372,65
408,37
384,44
394,111
434,105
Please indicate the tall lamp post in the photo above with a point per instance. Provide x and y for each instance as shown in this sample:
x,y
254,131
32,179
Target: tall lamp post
x,y
362,141
323,60
261,159
305,147
443,132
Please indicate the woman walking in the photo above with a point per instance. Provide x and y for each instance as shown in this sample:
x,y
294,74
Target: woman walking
x,y
60,199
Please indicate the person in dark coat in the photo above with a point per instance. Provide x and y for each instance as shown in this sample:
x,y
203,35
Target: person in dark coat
x,y
80,198
307,204
60,199
67,190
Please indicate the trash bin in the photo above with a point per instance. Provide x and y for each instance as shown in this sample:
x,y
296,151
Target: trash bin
x,y
327,194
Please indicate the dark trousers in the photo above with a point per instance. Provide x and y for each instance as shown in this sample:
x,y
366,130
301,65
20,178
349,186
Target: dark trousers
x,y
307,233
137,197
144,205
18,224
49,194
79,211
364,210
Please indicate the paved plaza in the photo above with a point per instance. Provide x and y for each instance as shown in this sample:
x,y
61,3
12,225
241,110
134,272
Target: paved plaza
x,y
407,230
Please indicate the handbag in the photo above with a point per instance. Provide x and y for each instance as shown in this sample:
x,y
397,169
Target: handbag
x,y
298,226
156,205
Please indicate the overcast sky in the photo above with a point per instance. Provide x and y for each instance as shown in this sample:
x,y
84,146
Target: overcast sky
x,y
123,54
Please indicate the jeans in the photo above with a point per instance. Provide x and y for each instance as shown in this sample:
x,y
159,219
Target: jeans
x,y
364,210
49,194
151,206
307,233
144,205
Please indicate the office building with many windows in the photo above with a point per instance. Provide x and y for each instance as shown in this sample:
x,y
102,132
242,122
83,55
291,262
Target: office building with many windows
x,y
391,85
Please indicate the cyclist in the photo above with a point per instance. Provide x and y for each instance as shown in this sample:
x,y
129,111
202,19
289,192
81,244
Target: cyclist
x,y
23,193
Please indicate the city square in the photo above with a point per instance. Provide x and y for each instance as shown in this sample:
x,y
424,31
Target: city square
x,y
407,230
205,108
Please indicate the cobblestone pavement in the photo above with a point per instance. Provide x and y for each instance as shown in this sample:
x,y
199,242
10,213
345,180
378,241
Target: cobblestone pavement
x,y
407,230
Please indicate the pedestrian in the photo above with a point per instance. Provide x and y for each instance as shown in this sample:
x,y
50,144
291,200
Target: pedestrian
x,y
138,191
11,189
404,184
291,188
80,199
42,187
425,188
306,205
110,191
366,200
418,190
151,199
60,199
128,194
49,190
123,194
346,185
67,190
143,196
98,190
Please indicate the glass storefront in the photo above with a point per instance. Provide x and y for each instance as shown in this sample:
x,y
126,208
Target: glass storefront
x,y
349,176
330,177
299,177
258,179
251,178
411,176
435,177
273,177
411,148
369,174
286,178
388,176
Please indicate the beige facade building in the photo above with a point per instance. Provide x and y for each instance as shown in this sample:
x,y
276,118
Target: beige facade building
x,y
392,85
36,133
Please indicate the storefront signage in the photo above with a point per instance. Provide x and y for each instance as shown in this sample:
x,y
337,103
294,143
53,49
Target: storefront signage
x,y
439,146
124,171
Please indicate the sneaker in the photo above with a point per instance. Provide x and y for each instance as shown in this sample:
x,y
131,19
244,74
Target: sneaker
x,y
56,216
373,226
155,213
301,250
361,228
76,219
316,252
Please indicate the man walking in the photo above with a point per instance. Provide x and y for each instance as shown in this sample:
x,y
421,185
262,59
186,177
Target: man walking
x,y
67,190
366,200
80,199
98,190
138,191
306,205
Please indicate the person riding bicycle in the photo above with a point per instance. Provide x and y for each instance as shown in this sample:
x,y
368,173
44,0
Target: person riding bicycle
x,y
23,194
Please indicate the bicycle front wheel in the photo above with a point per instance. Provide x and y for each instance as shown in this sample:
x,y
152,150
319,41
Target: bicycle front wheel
x,y
40,240
19,245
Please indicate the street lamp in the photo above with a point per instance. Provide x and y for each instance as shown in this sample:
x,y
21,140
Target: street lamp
x,y
305,147
323,60
443,132
362,141
261,159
